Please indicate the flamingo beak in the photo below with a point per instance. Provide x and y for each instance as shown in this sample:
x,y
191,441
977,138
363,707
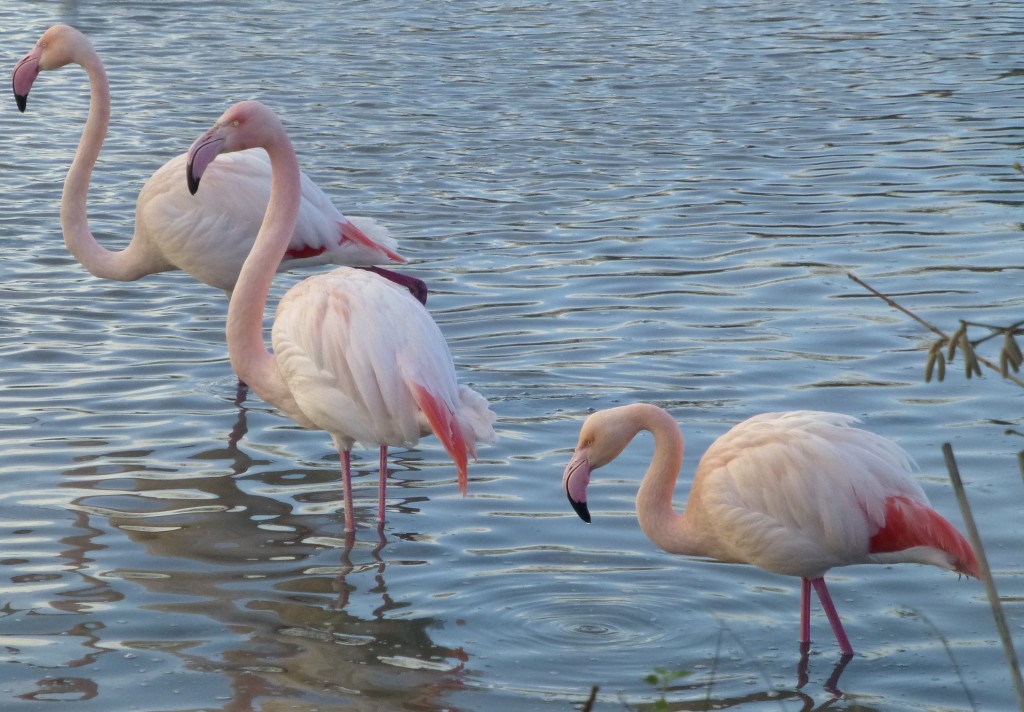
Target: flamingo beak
x,y
200,156
575,481
24,74
416,287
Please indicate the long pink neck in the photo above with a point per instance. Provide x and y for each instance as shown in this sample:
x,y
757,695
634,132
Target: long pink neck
x,y
668,529
132,262
253,363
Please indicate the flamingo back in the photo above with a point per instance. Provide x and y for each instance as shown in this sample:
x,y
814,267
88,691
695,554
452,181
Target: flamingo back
x,y
209,234
800,492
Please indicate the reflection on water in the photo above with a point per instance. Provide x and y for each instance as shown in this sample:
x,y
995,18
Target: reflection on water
x,y
608,206
279,583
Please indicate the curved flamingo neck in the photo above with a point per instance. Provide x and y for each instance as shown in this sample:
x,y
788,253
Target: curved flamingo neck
x,y
132,262
253,363
665,527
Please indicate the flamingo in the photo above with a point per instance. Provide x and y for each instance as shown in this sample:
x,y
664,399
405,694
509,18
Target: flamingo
x,y
353,354
209,237
794,493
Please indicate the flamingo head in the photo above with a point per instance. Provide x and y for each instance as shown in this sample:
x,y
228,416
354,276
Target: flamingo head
x,y
60,45
601,441
247,124
599,444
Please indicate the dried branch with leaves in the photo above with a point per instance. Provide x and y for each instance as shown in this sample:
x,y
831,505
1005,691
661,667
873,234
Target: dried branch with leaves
x,y
943,349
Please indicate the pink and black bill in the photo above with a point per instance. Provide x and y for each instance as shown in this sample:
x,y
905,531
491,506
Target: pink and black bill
x,y
575,481
200,156
24,74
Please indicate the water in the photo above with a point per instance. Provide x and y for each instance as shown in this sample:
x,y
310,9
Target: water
x,y
611,203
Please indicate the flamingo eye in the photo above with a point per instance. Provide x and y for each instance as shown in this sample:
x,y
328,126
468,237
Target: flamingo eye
x,y
235,123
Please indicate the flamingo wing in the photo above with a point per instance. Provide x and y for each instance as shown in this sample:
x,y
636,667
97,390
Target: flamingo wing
x,y
798,493
209,235
366,362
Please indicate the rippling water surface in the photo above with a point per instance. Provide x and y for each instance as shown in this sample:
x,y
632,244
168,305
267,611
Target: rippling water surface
x,y
611,203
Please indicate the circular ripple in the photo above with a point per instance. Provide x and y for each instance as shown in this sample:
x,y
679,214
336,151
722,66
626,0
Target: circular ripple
x,y
612,630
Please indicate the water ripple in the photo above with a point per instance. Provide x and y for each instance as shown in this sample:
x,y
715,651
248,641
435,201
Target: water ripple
x,y
608,206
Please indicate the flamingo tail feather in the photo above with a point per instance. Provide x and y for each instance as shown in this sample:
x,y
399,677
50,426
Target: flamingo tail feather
x,y
447,429
352,233
911,524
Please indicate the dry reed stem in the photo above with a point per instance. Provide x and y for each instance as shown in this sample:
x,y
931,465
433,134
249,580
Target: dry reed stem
x,y
986,573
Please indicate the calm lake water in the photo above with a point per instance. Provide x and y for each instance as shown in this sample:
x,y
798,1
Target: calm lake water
x,y
611,202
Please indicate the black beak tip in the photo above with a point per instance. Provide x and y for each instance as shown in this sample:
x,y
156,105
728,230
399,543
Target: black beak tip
x,y
193,182
581,509
419,290
22,101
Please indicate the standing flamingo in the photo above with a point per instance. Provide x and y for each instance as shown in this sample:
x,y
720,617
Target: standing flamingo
x,y
354,354
793,493
208,237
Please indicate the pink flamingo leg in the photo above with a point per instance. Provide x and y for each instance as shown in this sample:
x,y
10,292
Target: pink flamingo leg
x,y
346,484
832,615
805,610
382,486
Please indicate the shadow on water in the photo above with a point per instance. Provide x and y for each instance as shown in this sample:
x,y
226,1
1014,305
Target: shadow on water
x,y
705,689
832,683
702,697
241,427
701,694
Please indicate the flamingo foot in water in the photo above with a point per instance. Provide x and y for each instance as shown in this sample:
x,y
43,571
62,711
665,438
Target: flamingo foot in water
x,y
241,391
382,485
832,684
346,484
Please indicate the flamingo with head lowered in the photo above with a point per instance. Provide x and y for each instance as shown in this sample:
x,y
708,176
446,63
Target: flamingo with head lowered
x,y
353,354
794,493
208,237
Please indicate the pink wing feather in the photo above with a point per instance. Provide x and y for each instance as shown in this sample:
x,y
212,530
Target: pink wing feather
x,y
446,427
909,524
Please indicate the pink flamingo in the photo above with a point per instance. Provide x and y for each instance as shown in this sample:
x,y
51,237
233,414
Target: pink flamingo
x,y
793,493
354,354
208,237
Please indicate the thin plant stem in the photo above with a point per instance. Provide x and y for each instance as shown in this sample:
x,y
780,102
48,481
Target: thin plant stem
x,y
928,325
986,573
898,307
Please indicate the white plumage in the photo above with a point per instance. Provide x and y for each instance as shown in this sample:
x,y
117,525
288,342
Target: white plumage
x,y
798,493
210,234
351,347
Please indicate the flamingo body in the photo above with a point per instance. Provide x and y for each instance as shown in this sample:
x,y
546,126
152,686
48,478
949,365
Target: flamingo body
x,y
208,237
795,493
231,208
354,354
364,382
